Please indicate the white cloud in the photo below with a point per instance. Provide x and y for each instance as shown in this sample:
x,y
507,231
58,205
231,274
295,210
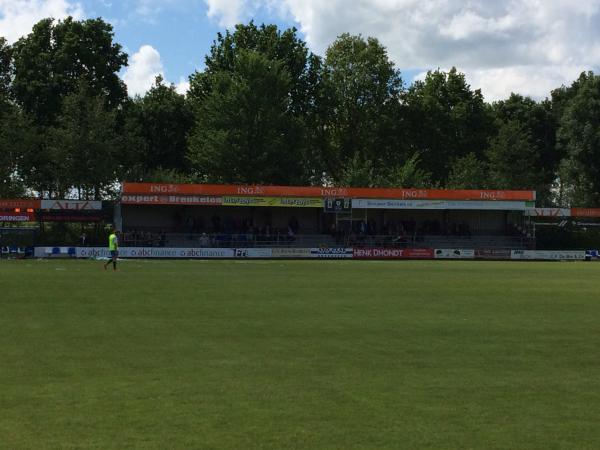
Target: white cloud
x,y
529,46
145,65
17,17
183,86
228,12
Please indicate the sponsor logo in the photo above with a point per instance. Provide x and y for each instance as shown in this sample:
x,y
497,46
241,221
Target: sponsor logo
x,y
492,254
331,252
454,253
393,253
250,190
14,218
550,255
71,205
291,253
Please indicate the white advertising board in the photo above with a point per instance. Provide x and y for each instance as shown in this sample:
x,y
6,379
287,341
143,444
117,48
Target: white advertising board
x,y
548,212
157,252
290,253
549,255
334,253
454,253
72,205
439,204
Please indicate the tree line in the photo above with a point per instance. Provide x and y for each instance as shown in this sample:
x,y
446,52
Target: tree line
x,y
266,110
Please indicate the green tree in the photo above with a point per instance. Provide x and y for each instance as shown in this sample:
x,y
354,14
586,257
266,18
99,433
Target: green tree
x,y
11,150
50,62
407,175
305,87
513,158
362,90
163,119
86,142
447,120
468,172
244,131
539,120
579,138
5,74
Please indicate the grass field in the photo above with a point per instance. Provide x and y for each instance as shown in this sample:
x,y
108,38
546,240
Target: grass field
x,y
299,354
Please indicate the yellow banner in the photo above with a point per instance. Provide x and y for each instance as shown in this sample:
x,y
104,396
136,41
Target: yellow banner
x,y
282,202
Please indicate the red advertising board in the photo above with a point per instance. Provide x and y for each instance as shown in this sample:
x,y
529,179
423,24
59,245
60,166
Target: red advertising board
x,y
325,192
393,253
585,212
19,203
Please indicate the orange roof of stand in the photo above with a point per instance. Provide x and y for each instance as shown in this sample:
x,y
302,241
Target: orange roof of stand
x,y
319,191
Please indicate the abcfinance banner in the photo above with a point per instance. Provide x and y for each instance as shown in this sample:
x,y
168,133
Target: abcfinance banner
x,y
157,252
282,202
393,253
549,255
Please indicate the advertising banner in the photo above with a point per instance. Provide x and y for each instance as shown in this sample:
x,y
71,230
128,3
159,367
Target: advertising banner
x,y
282,202
454,253
16,217
321,191
440,204
585,212
193,200
252,252
548,212
341,253
492,253
291,253
550,255
72,205
156,252
393,253
592,254
19,203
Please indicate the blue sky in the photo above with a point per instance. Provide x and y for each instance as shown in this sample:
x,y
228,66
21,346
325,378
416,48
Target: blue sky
x,y
181,32
503,46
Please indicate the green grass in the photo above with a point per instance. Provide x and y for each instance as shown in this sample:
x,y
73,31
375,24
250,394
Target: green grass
x,y
303,354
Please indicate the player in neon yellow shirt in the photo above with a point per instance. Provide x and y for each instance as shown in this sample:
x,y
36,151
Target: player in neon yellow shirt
x,y
113,246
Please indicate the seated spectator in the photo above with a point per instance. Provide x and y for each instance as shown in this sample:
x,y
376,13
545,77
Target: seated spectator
x,y
204,240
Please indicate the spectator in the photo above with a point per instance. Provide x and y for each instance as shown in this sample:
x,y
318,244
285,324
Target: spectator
x,y
204,240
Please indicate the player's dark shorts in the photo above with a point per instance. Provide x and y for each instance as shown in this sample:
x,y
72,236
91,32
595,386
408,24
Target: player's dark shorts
x,y
114,253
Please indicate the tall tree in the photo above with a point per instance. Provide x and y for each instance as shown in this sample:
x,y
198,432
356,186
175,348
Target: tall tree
x,y
468,172
447,120
164,119
5,74
244,131
513,158
50,62
362,100
539,121
579,139
305,87
86,142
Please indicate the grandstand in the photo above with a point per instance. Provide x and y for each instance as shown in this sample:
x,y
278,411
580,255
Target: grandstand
x,y
173,215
